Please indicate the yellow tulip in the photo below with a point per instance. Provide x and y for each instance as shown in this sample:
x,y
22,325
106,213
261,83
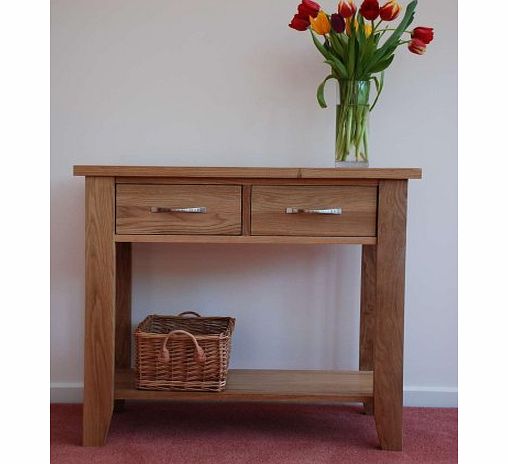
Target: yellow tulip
x,y
320,24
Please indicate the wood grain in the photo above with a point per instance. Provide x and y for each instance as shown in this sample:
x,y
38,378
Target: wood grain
x,y
223,204
244,181
367,313
362,173
99,309
246,209
232,239
266,385
389,337
248,172
358,204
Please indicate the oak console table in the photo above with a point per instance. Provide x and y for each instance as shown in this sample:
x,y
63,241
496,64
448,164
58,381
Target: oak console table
x,y
129,204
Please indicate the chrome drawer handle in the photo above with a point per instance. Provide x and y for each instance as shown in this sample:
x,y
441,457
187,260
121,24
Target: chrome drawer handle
x,y
158,209
336,211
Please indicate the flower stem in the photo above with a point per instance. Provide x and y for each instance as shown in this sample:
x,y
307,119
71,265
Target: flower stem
x,y
351,121
388,29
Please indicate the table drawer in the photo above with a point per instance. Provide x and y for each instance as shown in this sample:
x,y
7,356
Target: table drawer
x,y
314,211
178,209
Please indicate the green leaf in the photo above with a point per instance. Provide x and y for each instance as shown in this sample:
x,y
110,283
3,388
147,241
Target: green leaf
x,y
330,58
383,56
320,91
381,66
338,67
343,40
320,46
379,87
366,54
362,45
361,30
377,37
336,44
393,40
351,55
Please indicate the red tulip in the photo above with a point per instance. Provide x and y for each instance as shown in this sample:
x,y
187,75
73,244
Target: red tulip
x,y
347,8
338,22
299,23
308,8
425,34
370,9
389,11
417,46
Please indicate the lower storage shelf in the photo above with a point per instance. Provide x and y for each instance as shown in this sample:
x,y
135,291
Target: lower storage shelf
x,y
311,386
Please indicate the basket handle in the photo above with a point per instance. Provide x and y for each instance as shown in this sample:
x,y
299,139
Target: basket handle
x,y
193,313
199,354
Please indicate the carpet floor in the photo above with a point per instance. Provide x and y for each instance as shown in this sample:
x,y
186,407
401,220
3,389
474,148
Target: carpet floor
x,y
191,433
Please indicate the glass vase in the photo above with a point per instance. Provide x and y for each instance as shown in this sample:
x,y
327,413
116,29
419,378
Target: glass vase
x,y
352,124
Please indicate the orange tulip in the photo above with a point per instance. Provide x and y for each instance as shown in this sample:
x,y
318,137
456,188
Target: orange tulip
x,y
389,11
320,24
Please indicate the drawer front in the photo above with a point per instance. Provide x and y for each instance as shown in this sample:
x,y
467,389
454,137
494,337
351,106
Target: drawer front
x,y
320,211
178,209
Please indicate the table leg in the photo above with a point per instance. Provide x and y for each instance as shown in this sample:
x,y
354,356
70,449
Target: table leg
x,y
389,336
367,314
123,329
99,309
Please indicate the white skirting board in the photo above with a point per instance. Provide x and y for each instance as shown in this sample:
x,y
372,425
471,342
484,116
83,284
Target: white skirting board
x,y
432,397
66,392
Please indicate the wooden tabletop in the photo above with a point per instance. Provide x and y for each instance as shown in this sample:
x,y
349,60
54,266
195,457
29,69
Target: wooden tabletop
x,y
249,172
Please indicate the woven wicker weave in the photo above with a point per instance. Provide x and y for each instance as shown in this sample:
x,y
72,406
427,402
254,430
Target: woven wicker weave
x,y
183,353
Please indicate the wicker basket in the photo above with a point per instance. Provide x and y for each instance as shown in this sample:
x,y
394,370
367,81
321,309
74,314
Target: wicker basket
x,y
183,353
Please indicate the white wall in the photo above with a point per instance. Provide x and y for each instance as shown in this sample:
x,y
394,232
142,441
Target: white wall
x,y
204,83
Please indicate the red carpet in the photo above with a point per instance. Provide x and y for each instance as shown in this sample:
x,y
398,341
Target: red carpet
x,y
251,433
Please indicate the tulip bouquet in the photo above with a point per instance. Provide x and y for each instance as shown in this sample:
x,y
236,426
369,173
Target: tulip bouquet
x,y
358,46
